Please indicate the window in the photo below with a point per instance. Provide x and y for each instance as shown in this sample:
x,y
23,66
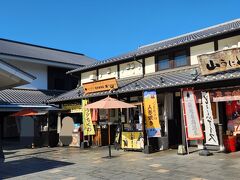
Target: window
x,y
172,60
180,59
163,62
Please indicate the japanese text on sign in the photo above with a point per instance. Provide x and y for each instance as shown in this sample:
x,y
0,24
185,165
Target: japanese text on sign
x,y
219,61
151,114
87,120
191,117
210,131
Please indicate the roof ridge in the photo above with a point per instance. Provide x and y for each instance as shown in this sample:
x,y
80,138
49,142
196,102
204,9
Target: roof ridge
x,y
40,46
157,45
190,33
29,89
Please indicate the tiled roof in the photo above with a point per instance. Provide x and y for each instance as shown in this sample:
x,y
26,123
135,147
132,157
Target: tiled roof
x,y
189,76
219,29
14,48
26,96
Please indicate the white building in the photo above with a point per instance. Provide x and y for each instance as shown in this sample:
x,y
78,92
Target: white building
x,y
48,66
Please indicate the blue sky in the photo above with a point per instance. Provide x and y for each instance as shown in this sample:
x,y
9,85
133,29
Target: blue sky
x,y
106,28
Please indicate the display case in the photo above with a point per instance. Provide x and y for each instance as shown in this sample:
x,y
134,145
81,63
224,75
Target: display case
x,y
132,137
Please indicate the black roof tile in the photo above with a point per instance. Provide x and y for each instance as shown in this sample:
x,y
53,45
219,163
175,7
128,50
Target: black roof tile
x,y
223,28
14,48
159,80
27,96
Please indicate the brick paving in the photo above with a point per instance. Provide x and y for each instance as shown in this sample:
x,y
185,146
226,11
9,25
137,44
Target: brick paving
x,y
73,163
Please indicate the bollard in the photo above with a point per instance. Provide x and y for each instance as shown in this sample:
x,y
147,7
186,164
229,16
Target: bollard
x,y
109,149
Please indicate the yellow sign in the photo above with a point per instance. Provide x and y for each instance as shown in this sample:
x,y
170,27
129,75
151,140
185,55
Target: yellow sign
x,y
87,120
102,85
74,108
219,61
151,114
132,140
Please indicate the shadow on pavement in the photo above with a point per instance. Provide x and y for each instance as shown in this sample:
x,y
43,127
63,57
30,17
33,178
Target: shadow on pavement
x,y
28,154
27,166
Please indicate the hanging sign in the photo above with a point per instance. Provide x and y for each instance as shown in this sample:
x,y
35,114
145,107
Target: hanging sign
x,y
74,108
219,61
151,114
191,116
102,85
210,131
87,120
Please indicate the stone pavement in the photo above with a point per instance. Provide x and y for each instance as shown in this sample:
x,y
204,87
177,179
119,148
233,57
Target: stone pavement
x,y
73,163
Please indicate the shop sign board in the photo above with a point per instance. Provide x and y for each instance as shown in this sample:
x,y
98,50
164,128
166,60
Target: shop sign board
x,y
74,108
191,116
102,85
132,140
151,114
227,94
210,130
87,120
219,61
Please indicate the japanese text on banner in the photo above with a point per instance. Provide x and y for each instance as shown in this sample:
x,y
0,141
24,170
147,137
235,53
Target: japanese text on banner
x,y
191,117
210,131
151,114
87,120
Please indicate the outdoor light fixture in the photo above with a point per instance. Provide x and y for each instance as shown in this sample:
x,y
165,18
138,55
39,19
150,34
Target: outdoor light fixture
x,y
128,67
136,84
195,74
132,66
79,93
109,71
161,79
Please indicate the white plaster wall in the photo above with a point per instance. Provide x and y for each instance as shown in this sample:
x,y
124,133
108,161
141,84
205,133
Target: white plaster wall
x,y
229,42
88,76
200,49
150,65
27,126
37,70
135,69
108,72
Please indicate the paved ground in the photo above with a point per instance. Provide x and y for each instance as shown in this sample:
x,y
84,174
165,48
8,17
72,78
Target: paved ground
x,y
74,163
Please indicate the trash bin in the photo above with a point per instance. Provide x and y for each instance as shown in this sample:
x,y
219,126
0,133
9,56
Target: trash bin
x,y
229,143
232,143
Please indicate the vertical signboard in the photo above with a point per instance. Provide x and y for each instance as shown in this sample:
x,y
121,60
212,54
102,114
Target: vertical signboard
x,y
191,116
151,114
87,120
210,131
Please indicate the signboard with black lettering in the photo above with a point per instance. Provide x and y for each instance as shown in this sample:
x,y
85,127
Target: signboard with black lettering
x,y
102,85
219,61
191,116
210,130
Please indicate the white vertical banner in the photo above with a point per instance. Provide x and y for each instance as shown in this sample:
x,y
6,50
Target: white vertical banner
x,y
191,116
210,131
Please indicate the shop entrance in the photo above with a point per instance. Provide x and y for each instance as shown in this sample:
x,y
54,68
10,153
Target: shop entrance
x,y
174,125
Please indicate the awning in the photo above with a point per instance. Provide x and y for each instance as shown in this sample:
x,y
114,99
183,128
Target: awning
x,y
28,112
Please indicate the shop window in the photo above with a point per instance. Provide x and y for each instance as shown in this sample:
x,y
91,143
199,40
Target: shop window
x,y
180,59
163,62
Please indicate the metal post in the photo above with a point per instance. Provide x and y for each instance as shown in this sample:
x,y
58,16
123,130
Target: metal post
x,y
2,157
220,131
184,124
109,135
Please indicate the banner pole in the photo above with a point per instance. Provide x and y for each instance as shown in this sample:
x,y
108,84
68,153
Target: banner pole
x,y
184,124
